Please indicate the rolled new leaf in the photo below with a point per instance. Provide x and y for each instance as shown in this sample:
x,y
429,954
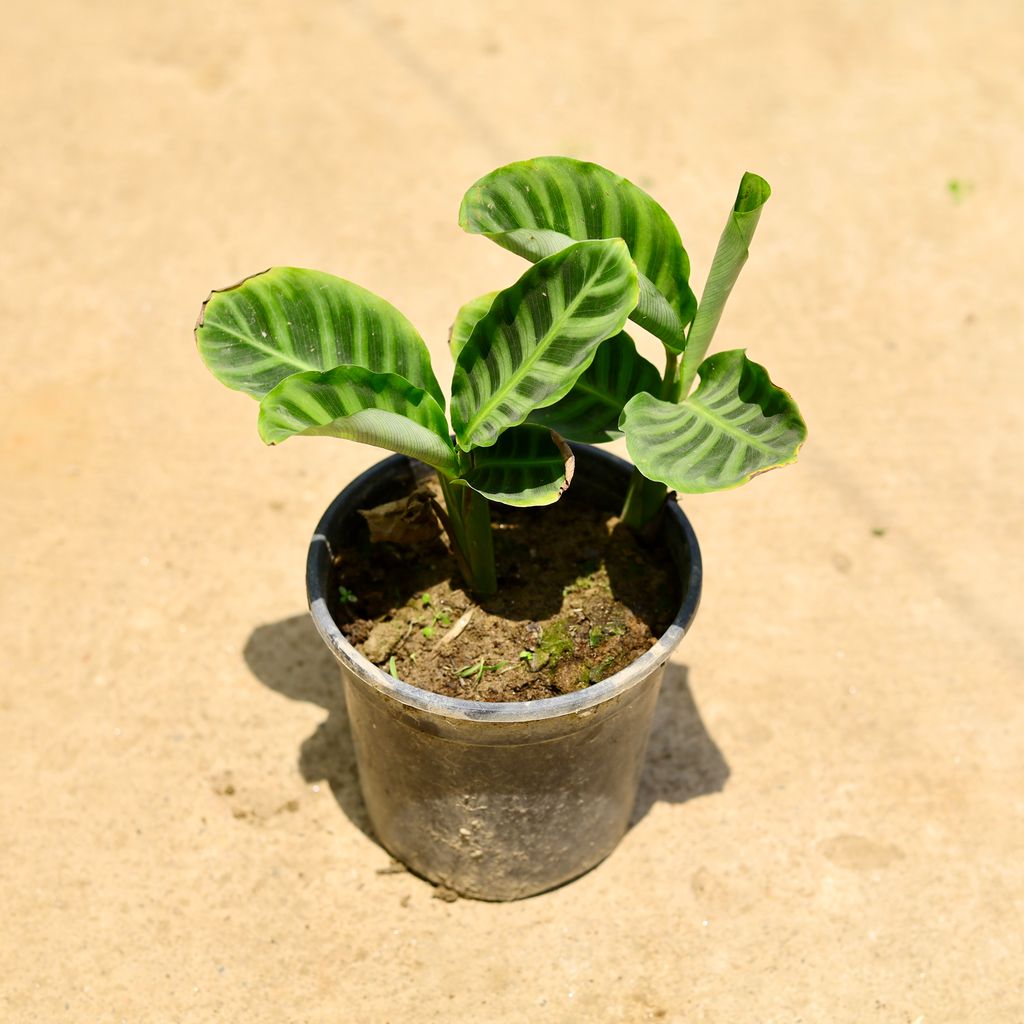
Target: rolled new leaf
x,y
528,465
538,336
735,425
732,252
382,409
590,412
537,207
288,320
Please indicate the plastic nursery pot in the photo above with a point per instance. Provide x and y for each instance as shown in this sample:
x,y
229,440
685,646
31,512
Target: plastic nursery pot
x,y
500,800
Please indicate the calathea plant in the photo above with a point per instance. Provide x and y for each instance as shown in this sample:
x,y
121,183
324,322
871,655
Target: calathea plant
x,y
326,357
736,423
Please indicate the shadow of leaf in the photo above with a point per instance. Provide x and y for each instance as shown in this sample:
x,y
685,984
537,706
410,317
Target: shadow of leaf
x,y
290,657
683,761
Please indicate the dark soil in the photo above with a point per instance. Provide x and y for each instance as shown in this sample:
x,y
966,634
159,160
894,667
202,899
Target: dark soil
x,y
579,599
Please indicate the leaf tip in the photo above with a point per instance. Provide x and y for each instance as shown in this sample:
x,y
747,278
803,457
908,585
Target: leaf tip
x,y
202,316
568,459
264,431
753,193
201,319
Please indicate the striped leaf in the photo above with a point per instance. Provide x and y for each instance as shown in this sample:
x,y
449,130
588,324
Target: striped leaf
x,y
466,319
735,425
732,252
538,336
528,465
287,320
590,412
536,207
381,409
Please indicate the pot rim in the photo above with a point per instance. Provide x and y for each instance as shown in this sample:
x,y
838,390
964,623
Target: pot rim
x,y
575,703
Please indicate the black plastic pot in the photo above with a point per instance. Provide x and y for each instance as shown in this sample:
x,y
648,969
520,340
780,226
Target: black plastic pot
x,y
500,800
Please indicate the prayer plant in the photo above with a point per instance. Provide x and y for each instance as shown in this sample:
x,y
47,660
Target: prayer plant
x,y
544,359
736,423
326,357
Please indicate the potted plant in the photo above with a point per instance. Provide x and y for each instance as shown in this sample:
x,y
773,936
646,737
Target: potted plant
x,y
467,780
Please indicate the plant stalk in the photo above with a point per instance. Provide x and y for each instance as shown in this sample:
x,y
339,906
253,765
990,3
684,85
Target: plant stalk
x,y
645,498
469,528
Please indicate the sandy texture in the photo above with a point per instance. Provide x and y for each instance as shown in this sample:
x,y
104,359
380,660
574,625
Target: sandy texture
x,y
830,827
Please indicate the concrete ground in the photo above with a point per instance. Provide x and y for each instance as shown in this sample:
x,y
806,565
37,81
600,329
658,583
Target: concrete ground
x,y
830,827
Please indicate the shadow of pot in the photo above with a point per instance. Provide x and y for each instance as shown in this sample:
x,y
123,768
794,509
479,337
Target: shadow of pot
x,y
499,801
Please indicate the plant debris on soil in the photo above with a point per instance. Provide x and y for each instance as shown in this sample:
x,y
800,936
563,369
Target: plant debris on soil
x,y
579,598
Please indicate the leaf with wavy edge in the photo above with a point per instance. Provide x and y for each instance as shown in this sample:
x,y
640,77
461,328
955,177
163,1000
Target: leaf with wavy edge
x,y
351,402
735,425
537,207
529,465
732,252
590,412
538,336
466,319
287,320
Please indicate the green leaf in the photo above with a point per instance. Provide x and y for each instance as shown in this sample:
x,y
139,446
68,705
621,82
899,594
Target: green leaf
x,y
536,207
466,319
732,252
528,465
538,336
288,320
381,409
735,425
590,412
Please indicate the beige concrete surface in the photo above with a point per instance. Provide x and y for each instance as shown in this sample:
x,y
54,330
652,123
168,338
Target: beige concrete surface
x,y
830,828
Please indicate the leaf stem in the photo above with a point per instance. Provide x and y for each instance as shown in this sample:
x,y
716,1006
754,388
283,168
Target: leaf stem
x,y
469,528
645,498
670,380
